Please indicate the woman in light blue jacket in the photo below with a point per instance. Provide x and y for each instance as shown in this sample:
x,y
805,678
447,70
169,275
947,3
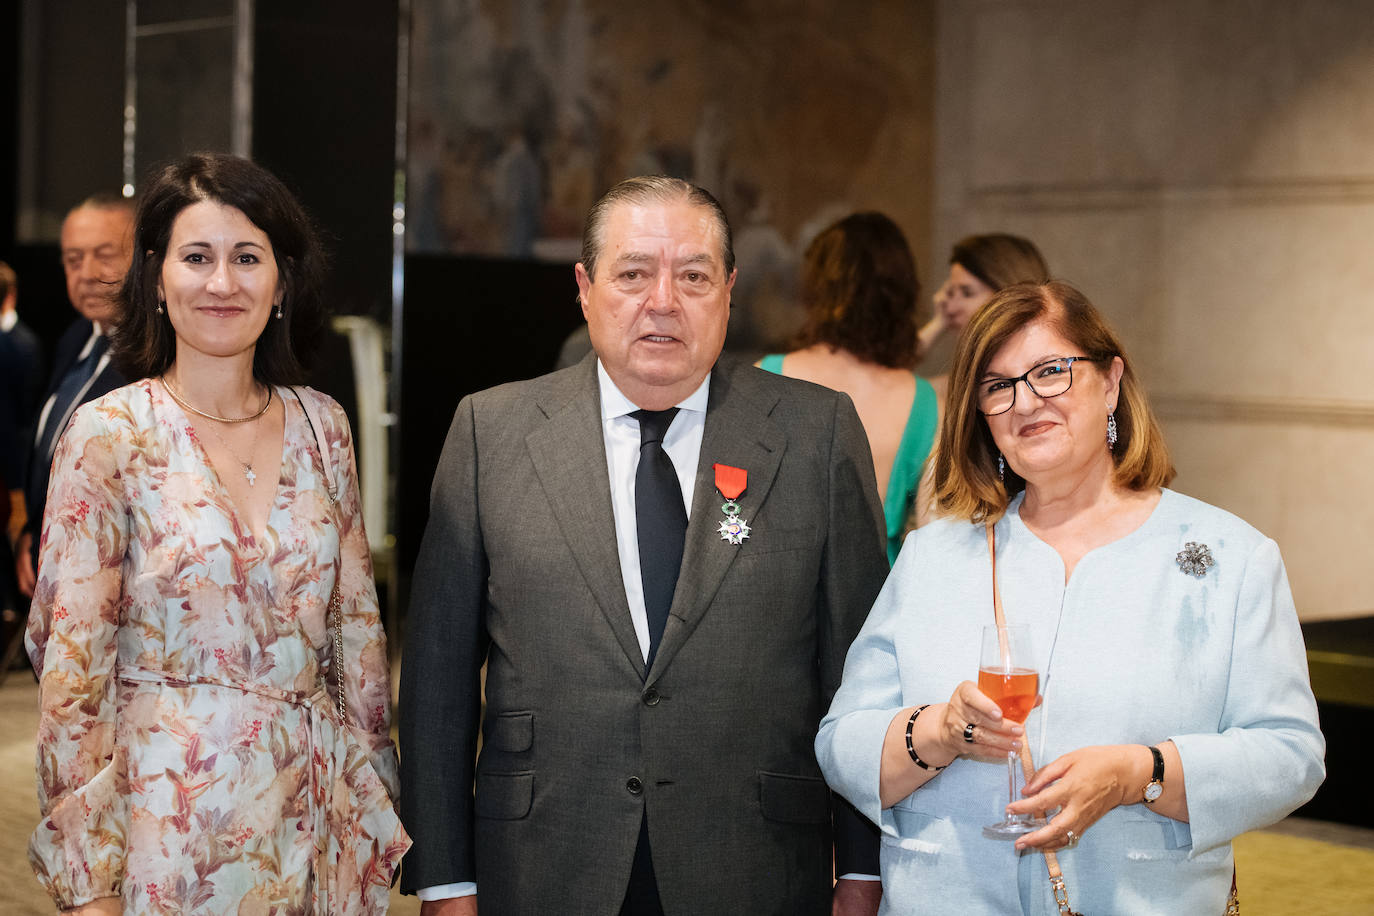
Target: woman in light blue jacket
x,y
1175,708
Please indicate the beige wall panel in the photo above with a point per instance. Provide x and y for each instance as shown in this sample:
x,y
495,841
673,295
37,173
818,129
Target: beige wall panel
x,y
1269,301
1304,486
1168,92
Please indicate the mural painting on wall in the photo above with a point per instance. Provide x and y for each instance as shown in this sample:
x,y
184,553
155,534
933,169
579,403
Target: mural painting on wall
x,y
522,112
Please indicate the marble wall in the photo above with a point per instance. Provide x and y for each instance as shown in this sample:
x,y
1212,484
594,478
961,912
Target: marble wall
x,y
1204,171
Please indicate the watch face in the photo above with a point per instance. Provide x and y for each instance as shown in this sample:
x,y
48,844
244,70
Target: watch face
x,y
1153,791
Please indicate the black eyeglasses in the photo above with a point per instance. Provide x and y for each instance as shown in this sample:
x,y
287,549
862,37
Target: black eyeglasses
x,y
1049,379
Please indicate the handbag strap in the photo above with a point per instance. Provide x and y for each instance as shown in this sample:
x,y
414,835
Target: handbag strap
x,y
335,598
1061,891
312,418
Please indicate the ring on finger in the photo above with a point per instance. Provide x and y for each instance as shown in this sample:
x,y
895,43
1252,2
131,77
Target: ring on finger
x,y
1070,839
968,732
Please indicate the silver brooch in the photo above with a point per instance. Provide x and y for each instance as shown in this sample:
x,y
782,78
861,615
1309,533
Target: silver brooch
x,y
1195,559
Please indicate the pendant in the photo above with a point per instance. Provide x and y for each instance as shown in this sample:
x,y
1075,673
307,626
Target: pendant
x,y
248,474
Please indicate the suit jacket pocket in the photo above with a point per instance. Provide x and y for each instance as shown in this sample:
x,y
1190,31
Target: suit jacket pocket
x,y
504,796
511,732
792,799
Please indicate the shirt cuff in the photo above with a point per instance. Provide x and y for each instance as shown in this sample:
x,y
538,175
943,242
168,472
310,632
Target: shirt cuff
x,y
447,891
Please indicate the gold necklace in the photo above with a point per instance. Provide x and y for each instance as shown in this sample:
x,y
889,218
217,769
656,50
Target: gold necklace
x,y
248,473
186,405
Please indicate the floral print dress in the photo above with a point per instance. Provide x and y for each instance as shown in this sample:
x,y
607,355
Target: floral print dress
x,y
190,757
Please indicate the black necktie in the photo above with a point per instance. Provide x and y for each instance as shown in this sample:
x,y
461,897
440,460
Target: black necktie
x,y
660,519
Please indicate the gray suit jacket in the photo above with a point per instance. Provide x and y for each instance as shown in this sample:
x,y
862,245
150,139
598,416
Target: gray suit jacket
x,y
518,568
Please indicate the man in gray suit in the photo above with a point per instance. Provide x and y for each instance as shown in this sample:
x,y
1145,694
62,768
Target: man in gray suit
x,y
662,557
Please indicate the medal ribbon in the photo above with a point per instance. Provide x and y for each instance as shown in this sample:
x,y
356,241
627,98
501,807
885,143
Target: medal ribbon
x,y
730,481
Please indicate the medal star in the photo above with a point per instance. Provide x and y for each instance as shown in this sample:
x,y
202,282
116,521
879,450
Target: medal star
x,y
734,530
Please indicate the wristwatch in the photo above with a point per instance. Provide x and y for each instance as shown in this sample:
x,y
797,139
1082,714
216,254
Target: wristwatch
x,y
1155,787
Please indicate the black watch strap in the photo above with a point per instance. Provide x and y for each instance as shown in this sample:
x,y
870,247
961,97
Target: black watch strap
x,y
1155,787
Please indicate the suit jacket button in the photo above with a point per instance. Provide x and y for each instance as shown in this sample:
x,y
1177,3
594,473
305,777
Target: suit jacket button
x,y
634,785
651,697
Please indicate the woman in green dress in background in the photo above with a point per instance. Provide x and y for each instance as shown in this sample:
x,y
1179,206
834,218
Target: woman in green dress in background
x,y
863,304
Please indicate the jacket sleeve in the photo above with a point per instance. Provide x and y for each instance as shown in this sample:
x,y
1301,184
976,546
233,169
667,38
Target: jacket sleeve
x,y
849,746
855,567
78,850
1267,735
446,643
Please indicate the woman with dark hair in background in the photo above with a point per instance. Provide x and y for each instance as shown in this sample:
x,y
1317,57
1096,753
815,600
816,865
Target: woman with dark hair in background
x,y
1165,658
979,267
860,291
215,701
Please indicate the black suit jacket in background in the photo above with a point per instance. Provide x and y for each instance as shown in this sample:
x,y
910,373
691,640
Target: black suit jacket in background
x,y
36,469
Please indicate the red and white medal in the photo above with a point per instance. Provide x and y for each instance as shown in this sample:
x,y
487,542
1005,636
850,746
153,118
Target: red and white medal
x,y
731,483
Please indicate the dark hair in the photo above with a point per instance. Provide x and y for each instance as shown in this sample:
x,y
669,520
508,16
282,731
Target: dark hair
x,y
144,343
658,189
105,200
967,484
861,292
1000,260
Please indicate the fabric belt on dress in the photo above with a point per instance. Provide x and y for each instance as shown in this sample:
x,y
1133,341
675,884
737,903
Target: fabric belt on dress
x,y
329,814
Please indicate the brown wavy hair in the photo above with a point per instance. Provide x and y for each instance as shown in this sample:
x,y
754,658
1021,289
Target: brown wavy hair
x,y
966,480
861,292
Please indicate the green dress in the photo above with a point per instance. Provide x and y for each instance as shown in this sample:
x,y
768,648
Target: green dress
x,y
917,439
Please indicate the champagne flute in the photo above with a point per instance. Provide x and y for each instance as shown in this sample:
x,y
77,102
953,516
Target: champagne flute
x,y
1005,674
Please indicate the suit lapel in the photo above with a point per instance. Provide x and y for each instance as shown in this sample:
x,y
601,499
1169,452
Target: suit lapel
x,y
740,433
569,455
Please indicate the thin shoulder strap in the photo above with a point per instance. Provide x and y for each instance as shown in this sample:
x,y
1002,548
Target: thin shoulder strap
x,y
997,611
316,428
1061,891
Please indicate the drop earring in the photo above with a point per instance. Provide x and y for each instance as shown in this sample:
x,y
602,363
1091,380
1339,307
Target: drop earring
x,y
278,309
1111,430
159,307
1001,468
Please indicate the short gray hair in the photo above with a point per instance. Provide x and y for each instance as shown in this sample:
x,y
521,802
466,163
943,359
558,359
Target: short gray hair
x,y
651,189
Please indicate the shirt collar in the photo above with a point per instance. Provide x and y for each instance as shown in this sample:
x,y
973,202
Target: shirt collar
x,y
8,320
615,404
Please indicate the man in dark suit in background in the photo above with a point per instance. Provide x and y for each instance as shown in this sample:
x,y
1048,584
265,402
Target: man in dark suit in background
x,y
662,556
21,382
97,240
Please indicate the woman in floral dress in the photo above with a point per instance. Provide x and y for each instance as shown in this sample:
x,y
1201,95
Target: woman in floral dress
x,y
191,752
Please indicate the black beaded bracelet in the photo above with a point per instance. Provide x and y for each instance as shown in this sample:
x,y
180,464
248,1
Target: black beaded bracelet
x,y
911,749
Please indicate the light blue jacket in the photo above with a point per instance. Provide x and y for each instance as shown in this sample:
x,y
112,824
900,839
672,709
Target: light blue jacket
x,y
1132,650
